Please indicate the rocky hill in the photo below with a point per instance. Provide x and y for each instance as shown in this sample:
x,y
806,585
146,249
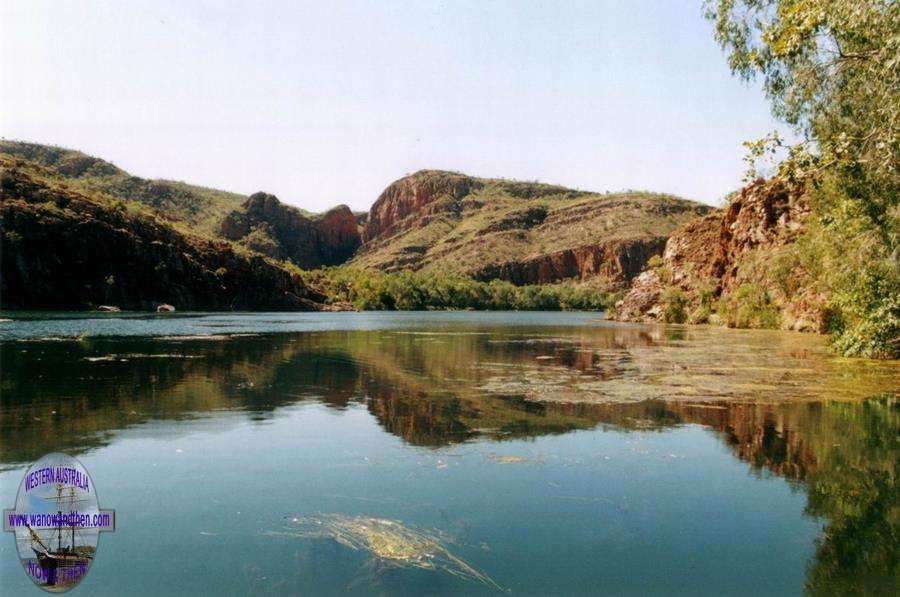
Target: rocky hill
x,y
525,233
63,248
267,226
738,266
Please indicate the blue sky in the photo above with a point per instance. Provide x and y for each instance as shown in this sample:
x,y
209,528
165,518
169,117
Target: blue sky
x,y
327,102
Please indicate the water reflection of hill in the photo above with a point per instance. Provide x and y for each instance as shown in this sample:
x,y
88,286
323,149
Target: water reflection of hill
x,y
775,409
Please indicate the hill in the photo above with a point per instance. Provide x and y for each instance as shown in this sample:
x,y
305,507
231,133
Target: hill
x,y
64,248
198,207
261,222
525,233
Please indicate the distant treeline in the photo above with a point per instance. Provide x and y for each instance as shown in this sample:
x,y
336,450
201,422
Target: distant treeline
x,y
373,290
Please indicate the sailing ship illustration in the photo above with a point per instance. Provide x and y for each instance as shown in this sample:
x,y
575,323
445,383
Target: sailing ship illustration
x,y
67,563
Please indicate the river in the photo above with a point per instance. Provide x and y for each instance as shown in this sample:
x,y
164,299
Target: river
x,y
446,453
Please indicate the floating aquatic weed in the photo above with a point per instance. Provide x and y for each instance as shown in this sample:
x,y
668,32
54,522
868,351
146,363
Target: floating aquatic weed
x,y
128,356
506,459
188,337
441,333
390,542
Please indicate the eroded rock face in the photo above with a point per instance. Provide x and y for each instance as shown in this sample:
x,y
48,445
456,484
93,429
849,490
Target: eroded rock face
x,y
712,254
616,261
339,234
280,231
643,301
411,198
765,213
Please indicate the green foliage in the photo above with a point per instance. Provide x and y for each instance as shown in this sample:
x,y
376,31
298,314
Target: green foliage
x,y
832,70
655,262
675,304
750,306
707,301
368,290
865,306
863,273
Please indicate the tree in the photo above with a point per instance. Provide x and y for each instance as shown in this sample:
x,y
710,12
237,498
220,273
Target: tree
x,y
832,70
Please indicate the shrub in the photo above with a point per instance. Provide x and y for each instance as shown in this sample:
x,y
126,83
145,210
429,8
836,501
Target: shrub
x,y
674,305
751,306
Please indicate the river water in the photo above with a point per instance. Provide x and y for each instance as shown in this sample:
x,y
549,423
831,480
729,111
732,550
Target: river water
x,y
447,453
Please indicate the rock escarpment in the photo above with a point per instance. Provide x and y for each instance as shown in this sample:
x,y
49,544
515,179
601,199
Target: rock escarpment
x,y
412,199
63,249
735,254
525,233
616,260
267,226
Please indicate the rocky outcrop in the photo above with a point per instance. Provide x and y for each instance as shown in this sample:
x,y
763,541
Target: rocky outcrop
x,y
280,231
692,259
616,261
339,234
714,256
65,250
413,197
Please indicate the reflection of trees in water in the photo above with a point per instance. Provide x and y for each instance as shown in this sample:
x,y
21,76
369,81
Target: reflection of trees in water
x,y
427,390
856,489
846,456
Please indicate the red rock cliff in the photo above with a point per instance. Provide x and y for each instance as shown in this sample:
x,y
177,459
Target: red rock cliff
x,y
617,261
413,197
710,253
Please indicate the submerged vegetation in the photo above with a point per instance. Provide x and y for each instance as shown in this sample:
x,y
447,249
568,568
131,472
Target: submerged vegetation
x,y
370,290
390,543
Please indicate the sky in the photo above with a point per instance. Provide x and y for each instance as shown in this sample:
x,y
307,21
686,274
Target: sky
x,y
322,103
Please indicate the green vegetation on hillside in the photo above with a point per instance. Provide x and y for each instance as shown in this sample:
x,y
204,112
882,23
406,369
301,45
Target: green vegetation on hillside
x,y
199,208
63,248
832,70
375,290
